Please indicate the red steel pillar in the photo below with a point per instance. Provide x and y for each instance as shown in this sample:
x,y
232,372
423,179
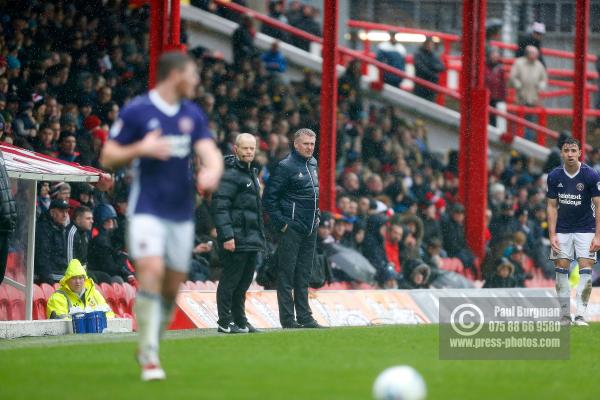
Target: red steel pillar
x,y
582,22
473,125
327,134
164,32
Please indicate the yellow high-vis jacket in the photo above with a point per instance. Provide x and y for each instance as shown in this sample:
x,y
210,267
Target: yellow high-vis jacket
x,y
64,299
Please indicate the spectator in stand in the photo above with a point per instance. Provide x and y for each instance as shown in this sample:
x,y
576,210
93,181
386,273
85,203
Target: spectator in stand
x,y
516,256
43,200
294,12
393,236
528,76
495,80
454,236
350,91
276,11
307,22
51,243
66,147
433,253
393,54
243,42
273,60
76,293
374,251
503,276
107,263
532,38
428,66
79,234
417,275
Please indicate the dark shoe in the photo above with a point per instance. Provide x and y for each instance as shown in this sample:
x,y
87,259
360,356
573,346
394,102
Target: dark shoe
x,y
252,329
291,325
231,328
313,325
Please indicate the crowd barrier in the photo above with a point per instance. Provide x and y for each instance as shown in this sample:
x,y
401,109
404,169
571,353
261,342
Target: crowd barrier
x,y
198,308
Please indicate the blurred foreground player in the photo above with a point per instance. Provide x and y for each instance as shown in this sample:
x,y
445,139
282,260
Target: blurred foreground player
x,y
574,226
158,132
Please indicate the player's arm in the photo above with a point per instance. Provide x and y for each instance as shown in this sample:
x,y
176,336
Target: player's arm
x,y
115,155
552,211
211,165
596,241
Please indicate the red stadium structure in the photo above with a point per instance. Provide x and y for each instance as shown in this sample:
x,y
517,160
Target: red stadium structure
x,y
164,35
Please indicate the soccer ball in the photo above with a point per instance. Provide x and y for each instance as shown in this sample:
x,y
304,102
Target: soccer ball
x,y
399,383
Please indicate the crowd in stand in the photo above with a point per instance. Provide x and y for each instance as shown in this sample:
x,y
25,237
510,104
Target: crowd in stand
x,y
66,68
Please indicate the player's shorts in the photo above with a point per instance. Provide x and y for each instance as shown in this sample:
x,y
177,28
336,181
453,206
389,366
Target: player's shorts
x,y
574,246
149,236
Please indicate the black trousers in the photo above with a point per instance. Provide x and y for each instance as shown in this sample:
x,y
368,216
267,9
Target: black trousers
x,y
3,253
238,272
295,255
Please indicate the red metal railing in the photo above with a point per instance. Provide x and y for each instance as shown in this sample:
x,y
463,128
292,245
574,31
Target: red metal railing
x,y
517,120
452,63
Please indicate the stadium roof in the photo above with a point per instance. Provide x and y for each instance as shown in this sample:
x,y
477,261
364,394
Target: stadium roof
x,y
25,164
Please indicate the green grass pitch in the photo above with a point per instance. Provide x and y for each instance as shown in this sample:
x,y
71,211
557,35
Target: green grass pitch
x,y
327,364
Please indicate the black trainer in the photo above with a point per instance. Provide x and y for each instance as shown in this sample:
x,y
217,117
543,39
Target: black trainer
x,y
313,325
231,328
291,325
252,329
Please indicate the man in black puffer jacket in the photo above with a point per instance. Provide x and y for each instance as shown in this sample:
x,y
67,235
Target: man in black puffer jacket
x,y
291,200
8,216
237,214
51,243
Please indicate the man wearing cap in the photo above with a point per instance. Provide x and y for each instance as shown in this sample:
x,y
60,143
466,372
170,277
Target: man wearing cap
x,y
76,291
534,38
51,243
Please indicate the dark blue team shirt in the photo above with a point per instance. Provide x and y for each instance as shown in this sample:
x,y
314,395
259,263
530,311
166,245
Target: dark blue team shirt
x,y
162,188
575,207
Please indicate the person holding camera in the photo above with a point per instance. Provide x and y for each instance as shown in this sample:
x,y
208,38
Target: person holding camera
x,y
237,214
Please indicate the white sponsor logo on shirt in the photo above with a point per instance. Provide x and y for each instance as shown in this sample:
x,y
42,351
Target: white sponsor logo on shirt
x,y
117,127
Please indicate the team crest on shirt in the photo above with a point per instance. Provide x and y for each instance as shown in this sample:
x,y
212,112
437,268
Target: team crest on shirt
x,y
598,185
153,124
186,125
580,187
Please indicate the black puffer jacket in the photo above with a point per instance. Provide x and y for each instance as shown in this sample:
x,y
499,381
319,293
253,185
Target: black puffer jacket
x,y
50,249
237,208
8,209
292,194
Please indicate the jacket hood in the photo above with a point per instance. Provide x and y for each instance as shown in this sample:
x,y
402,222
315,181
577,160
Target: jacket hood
x,y
75,269
374,223
423,269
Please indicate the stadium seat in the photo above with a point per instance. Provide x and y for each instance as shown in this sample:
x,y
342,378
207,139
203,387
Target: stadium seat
x,y
129,296
109,296
16,303
4,304
39,303
47,290
120,298
210,285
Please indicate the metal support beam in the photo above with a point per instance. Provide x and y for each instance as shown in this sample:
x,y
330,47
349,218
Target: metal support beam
x,y
582,22
30,250
327,134
473,125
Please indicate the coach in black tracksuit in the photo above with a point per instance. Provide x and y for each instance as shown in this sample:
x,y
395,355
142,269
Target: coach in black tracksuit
x,y
237,214
291,200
